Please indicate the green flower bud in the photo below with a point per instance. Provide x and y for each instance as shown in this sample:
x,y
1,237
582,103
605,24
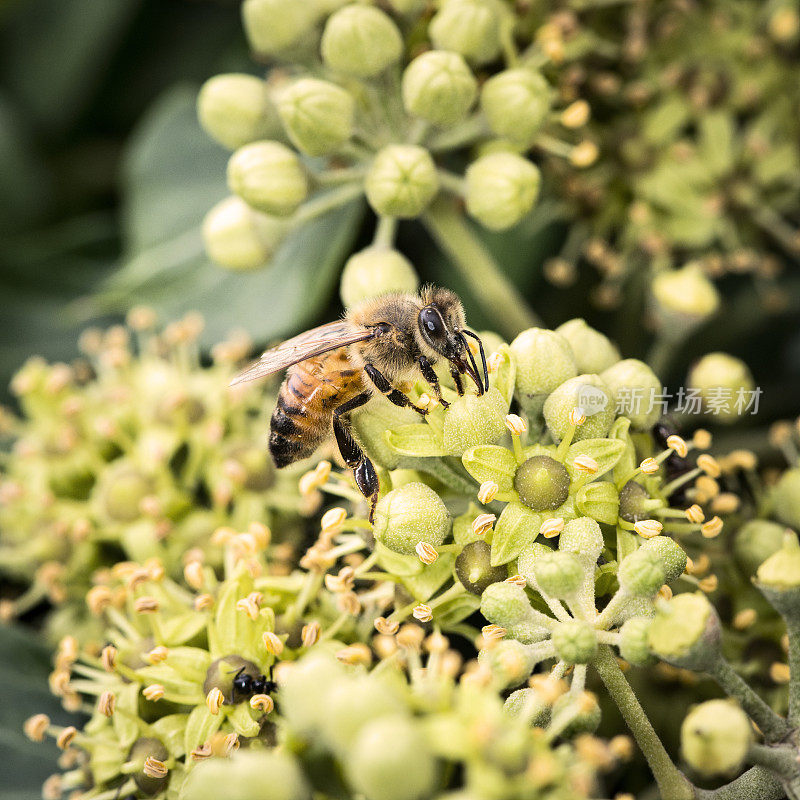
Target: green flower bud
x,y
391,760
592,396
142,749
409,515
361,41
439,87
575,642
501,189
558,574
275,25
542,483
671,554
516,103
587,718
469,27
715,737
510,661
778,577
474,568
633,644
755,542
268,176
505,604
528,632
635,503
634,385
583,537
370,425
526,563
401,181
683,298
527,699
121,490
375,271
786,498
241,777
544,361
236,110
685,632
593,351
317,115
471,420
599,500
240,238
352,703
304,691
641,573
719,371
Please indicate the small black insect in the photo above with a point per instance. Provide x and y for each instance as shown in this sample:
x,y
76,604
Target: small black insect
x,y
246,685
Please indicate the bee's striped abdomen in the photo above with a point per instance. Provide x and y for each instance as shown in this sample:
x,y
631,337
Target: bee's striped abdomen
x,y
301,421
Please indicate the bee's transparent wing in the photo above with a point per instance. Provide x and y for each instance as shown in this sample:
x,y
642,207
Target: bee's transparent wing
x,y
306,345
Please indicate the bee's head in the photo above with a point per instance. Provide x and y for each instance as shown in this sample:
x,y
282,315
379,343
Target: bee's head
x,y
442,329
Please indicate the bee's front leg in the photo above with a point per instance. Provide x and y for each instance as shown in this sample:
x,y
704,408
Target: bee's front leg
x,y
432,378
457,381
385,388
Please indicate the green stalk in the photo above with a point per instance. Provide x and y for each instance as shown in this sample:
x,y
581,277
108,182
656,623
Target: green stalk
x,y
487,283
774,727
757,782
672,783
793,628
782,760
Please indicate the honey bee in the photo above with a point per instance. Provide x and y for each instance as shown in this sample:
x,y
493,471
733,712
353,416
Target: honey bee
x,y
332,370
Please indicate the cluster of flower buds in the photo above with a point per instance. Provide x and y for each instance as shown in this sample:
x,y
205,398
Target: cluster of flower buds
x,y
134,452
426,115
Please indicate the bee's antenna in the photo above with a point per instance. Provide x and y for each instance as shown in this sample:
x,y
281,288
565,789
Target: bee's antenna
x,y
483,356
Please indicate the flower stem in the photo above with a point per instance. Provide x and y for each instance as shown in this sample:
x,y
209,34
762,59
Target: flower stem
x,y
782,760
756,782
487,283
774,727
672,783
793,628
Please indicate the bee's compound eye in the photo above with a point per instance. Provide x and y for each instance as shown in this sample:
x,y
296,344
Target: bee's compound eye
x,y
432,323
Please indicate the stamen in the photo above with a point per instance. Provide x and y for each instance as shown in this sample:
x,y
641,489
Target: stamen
x,y
488,491
551,527
422,612
483,524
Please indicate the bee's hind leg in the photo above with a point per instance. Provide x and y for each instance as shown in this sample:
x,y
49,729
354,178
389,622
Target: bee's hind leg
x,y
363,469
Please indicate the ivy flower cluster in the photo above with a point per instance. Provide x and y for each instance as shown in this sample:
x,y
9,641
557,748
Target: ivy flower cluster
x,y
134,452
695,164
591,546
472,108
273,666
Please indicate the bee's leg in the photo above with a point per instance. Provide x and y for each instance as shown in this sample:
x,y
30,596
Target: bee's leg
x,y
353,455
432,378
457,380
394,395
